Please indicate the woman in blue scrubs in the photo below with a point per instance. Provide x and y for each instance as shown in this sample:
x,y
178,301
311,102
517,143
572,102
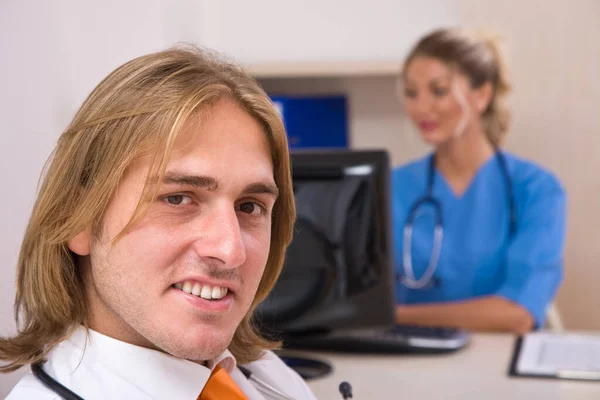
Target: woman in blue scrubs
x,y
497,261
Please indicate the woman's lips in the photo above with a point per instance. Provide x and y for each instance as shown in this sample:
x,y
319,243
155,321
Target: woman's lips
x,y
428,126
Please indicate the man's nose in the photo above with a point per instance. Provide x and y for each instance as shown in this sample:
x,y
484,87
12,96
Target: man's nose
x,y
220,236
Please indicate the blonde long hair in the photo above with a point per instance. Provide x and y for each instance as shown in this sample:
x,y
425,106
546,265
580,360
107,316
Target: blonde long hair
x,y
138,110
480,56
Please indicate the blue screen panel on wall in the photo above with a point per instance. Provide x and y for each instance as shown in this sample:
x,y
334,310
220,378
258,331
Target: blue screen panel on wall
x,y
314,121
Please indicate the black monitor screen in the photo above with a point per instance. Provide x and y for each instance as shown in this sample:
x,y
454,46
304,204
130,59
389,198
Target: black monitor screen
x,y
338,270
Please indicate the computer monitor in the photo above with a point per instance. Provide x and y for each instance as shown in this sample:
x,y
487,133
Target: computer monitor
x,y
338,272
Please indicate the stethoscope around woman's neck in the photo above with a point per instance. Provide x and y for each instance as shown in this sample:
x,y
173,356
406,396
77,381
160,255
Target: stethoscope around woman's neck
x,y
409,279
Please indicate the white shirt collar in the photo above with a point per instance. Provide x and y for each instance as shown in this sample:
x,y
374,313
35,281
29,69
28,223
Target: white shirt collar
x,y
158,374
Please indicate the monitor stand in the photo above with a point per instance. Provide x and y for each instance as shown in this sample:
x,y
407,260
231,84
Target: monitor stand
x,y
308,368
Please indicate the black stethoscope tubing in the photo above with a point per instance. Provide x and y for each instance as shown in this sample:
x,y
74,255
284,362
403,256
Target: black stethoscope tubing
x,y
409,279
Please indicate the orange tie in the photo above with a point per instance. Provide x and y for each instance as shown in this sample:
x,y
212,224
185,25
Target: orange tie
x,y
221,386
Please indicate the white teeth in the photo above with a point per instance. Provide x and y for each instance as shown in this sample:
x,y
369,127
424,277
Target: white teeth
x,y
205,291
197,289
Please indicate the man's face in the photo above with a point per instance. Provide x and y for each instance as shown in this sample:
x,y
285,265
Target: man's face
x,y
184,276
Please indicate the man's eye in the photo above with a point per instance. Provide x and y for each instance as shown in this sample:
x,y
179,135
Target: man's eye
x,y
177,199
251,208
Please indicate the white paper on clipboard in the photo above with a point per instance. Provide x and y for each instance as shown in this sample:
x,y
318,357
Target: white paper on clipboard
x,y
566,355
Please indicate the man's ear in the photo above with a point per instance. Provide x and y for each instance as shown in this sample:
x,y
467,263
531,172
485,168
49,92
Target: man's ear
x,y
483,97
80,243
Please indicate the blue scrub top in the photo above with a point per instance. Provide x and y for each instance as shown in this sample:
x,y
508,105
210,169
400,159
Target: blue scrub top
x,y
478,257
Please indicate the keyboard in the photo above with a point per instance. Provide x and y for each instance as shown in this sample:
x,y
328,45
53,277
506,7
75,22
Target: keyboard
x,y
401,339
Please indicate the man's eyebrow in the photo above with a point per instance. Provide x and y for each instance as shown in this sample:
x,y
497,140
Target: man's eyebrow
x,y
201,181
211,184
262,188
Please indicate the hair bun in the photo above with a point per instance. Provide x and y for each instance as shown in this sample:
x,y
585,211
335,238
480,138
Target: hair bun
x,y
495,45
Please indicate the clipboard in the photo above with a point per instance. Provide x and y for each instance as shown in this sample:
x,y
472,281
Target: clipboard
x,y
540,346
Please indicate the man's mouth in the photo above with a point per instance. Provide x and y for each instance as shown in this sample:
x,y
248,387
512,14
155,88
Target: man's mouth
x,y
206,292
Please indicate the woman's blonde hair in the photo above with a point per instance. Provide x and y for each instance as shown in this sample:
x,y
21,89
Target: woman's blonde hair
x,y
480,57
136,111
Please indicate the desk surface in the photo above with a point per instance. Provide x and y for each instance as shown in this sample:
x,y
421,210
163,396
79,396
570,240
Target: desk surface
x,y
477,372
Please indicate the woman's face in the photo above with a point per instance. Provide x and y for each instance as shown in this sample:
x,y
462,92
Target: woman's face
x,y
438,99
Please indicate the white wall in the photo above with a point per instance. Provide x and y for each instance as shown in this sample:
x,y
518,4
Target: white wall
x,y
321,30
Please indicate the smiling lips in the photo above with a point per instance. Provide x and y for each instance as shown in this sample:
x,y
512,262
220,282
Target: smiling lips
x,y
428,126
206,292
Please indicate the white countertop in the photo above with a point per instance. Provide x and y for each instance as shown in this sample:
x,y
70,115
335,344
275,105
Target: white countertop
x,y
477,372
